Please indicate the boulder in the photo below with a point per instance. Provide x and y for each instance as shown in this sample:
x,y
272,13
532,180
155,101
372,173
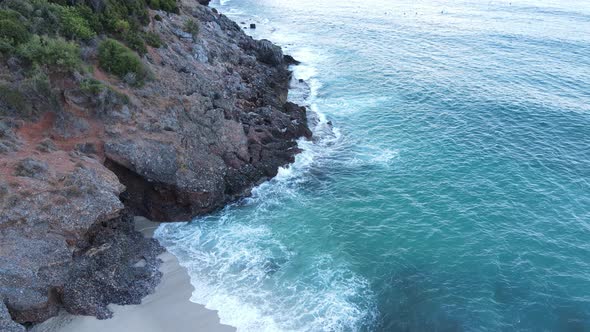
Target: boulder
x,y
269,53
290,60
116,265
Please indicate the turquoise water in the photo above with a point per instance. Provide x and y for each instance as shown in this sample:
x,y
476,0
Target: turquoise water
x,y
452,192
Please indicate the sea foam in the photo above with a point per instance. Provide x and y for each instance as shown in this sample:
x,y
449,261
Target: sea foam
x,y
237,266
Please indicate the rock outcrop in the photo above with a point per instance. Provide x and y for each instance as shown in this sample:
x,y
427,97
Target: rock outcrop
x,y
215,123
212,123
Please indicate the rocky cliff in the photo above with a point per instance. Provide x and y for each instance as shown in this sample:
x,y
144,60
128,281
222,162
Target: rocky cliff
x,y
89,151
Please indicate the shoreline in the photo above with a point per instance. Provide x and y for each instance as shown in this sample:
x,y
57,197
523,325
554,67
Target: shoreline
x,y
168,308
79,177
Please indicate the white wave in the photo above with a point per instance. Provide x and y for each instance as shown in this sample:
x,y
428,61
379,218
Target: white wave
x,y
237,264
239,267
366,155
305,71
385,156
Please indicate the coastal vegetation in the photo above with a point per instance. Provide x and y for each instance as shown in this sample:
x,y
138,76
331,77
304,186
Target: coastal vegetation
x,y
49,35
55,52
191,26
118,59
13,100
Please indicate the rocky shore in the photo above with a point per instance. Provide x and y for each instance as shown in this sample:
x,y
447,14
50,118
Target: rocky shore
x,y
167,308
212,122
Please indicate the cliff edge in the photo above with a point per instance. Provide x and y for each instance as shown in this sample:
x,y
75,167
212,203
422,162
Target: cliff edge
x,y
83,149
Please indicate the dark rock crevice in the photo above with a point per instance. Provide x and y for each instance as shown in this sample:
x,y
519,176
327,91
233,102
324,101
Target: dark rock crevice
x,y
156,200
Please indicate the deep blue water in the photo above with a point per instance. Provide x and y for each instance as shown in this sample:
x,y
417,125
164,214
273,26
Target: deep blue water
x,y
451,194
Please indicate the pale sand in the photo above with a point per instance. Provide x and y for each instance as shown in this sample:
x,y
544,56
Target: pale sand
x,y
167,309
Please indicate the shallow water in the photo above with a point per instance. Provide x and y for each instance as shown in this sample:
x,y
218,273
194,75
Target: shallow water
x,y
452,193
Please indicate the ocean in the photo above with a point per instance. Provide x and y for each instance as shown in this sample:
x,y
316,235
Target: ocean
x,y
448,184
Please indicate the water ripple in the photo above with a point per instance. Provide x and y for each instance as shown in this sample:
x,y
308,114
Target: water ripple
x,y
447,189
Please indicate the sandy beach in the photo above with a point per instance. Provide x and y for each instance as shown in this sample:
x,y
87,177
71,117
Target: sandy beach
x,y
167,309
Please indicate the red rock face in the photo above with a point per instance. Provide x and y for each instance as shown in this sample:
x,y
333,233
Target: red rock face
x,y
212,123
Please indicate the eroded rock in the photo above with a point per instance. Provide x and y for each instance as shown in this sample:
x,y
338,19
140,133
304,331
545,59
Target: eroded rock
x,y
105,269
213,123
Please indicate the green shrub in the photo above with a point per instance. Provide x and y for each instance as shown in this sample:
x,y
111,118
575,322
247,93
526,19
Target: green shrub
x,y
55,52
38,91
45,21
117,59
23,7
80,19
135,42
13,101
6,46
153,39
105,95
158,18
191,26
73,23
165,5
39,83
169,6
61,2
154,4
133,11
92,86
122,26
9,14
93,19
13,32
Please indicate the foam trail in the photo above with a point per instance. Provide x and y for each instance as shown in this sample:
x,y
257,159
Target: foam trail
x,y
448,139
238,266
245,271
